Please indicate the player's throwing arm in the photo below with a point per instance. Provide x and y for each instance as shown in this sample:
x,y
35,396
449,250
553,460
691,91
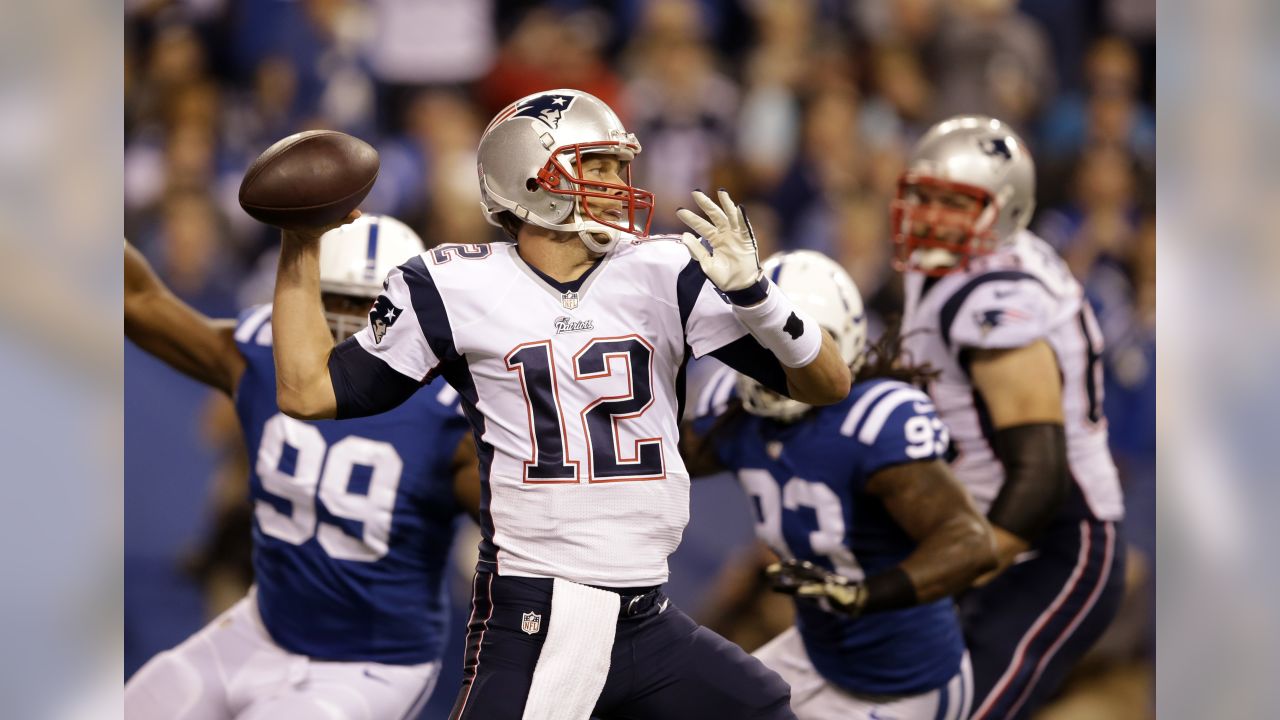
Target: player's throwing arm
x,y
293,186
816,374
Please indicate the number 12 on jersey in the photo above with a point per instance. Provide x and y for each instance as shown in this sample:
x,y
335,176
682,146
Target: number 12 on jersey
x,y
550,462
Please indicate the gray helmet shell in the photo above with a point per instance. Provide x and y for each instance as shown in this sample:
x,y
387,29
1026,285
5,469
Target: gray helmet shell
x,y
985,153
529,138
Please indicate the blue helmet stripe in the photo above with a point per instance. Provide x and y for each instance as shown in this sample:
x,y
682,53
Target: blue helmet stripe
x,y
371,255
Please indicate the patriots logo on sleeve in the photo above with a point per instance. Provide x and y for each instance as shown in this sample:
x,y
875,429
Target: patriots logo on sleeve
x,y
382,316
989,320
546,108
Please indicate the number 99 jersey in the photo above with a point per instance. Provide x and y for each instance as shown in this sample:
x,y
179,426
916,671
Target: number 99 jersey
x,y
806,484
353,519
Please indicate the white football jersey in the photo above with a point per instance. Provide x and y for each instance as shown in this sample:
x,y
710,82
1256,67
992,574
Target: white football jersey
x,y
576,395
1022,293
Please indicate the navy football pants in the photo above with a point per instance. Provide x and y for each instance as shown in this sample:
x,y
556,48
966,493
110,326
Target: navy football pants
x,y
664,665
1028,627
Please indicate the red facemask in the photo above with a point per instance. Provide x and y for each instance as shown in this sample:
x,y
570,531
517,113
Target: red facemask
x,y
635,201
965,234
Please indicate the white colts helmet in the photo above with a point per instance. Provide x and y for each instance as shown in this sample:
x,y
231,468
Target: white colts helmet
x,y
355,258
973,155
821,288
530,159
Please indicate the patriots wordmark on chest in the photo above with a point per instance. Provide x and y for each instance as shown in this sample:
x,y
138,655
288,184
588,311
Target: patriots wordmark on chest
x,y
569,299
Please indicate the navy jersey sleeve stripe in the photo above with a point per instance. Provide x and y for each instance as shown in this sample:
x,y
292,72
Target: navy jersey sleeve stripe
x,y
749,357
688,287
379,387
429,308
951,307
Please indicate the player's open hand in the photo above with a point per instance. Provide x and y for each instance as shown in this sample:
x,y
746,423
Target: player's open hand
x,y
733,263
810,582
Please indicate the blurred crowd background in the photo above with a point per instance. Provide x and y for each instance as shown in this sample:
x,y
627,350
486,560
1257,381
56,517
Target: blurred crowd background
x,y
803,109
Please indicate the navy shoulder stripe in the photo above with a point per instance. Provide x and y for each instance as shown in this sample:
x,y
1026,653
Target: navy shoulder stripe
x,y
951,307
429,307
688,287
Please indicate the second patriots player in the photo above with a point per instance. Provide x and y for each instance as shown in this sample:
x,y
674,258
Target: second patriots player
x,y
997,312
874,532
353,520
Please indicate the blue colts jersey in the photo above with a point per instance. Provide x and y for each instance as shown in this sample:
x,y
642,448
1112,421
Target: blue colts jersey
x,y
353,519
806,481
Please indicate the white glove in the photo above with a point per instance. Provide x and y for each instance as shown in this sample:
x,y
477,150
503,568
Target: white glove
x,y
733,263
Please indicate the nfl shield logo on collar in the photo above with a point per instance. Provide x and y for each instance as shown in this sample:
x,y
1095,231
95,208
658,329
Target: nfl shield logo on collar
x,y
569,299
531,622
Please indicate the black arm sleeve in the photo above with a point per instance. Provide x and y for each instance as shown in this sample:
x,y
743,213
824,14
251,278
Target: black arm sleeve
x,y
364,384
890,589
749,357
1036,478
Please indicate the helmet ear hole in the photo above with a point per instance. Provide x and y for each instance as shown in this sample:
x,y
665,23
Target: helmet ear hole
x,y
531,184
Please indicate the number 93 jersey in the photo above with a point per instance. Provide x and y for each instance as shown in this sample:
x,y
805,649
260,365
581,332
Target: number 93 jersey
x,y
353,519
806,483
574,390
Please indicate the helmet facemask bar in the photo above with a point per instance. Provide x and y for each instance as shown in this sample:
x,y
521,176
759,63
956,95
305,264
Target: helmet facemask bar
x,y
345,314
555,178
975,227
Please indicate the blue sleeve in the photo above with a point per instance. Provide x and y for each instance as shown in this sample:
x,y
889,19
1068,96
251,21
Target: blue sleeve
x,y
713,399
901,426
702,424
709,412
723,442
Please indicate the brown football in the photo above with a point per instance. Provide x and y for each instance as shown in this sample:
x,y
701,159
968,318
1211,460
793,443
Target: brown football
x,y
309,179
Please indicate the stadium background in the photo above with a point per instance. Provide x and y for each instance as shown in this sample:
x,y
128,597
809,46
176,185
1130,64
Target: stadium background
x,y
803,109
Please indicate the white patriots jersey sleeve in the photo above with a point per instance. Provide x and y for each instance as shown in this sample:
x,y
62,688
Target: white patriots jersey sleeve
x,y
394,333
711,323
1010,312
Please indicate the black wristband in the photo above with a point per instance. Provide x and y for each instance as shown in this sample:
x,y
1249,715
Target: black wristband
x,y
750,295
889,590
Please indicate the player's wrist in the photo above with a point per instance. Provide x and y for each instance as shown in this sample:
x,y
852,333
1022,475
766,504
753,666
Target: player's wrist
x,y
891,589
783,329
301,236
753,294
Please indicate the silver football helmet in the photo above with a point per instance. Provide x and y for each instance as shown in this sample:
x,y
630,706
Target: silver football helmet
x,y
530,161
354,260
821,288
978,157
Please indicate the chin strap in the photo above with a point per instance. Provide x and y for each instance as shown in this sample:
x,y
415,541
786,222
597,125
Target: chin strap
x,y
590,231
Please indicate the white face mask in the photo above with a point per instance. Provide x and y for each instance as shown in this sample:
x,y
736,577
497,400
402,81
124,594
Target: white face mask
x,y
933,258
344,325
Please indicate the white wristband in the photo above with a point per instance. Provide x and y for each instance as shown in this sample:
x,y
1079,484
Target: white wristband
x,y
783,329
